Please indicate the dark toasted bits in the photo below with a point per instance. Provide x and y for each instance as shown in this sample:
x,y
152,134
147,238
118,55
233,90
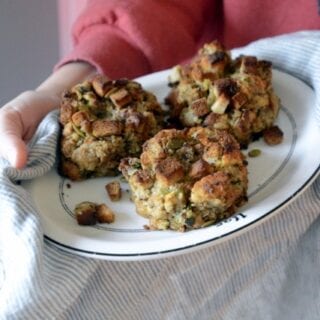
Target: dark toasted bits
x,y
273,135
103,121
217,57
85,213
178,170
219,92
89,213
227,87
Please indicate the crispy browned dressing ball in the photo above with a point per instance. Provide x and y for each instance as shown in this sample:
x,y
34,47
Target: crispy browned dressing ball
x,y
215,91
187,179
103,121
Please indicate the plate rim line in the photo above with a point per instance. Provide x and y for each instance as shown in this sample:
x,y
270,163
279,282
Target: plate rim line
x,y
94,254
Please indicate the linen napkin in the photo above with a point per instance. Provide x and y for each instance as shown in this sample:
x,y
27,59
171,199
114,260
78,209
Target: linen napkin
x,y
269,272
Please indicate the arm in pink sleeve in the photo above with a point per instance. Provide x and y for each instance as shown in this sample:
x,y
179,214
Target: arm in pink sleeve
x,y
130,38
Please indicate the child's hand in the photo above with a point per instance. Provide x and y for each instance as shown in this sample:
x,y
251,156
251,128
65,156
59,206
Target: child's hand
x,y
19,119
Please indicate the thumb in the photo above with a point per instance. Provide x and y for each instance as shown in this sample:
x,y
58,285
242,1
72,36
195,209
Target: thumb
x,y
14,150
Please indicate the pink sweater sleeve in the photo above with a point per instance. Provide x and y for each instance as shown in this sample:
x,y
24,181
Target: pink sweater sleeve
x,y
124,38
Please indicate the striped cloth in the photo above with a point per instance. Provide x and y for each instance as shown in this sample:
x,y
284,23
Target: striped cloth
x,y
269,272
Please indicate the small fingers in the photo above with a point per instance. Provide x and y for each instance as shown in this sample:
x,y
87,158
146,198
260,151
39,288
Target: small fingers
x,y
12,146
14,150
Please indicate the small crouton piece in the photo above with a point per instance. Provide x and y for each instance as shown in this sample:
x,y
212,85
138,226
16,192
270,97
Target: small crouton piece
x,y
72,170
216,57
101,85
199,169
273,135
169,171
211,119
79,117
85,213
249,64
121,98
225,89
220,105
103,128
200,107
104,214
66,111
142,178
114,190
239,99
215,188
213,152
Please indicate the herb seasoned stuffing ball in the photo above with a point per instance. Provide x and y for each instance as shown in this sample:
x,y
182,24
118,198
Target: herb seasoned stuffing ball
x,y
187,179
103,121
215,91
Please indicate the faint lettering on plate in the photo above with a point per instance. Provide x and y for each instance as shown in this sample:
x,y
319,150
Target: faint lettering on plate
x,y
235,217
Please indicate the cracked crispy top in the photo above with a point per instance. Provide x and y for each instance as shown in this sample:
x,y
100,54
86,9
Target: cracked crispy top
x,y
196,173
102,122
217,91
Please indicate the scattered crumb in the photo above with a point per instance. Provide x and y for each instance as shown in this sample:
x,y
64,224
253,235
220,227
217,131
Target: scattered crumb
x,y
114,190
273,135
89,213
86,213
104,214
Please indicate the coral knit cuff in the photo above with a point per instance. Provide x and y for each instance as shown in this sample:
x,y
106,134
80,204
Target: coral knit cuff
x,y
115,58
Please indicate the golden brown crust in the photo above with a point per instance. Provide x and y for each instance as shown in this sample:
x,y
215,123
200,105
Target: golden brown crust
x,y
188,178
104,128
200,107
121,98
199,169
104,214
214,90
215,188
102,122
169,171
102,85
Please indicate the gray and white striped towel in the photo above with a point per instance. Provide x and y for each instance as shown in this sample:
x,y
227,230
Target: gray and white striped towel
x,y
269,272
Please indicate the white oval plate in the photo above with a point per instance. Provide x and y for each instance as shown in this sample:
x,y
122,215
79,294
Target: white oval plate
x,y
276,177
